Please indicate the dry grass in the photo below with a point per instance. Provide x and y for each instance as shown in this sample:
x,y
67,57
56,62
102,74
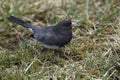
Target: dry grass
x,y
93,54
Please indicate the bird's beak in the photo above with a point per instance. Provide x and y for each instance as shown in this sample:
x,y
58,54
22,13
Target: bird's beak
x,y
74,23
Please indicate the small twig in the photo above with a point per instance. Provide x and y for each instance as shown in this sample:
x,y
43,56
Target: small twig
x,y
108,71
29,66
107,52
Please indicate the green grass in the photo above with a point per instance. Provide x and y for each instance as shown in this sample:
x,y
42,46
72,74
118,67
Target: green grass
x,y
94,52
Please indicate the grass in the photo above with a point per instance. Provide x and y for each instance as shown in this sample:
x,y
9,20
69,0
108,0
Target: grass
x,y
93,54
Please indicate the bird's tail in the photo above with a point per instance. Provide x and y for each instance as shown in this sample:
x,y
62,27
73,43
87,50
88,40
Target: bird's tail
x,y
19,21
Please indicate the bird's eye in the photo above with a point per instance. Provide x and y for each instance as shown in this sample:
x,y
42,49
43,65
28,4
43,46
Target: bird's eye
x,y
68,24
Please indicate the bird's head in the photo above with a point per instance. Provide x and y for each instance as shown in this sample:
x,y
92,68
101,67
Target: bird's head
x,y
65,24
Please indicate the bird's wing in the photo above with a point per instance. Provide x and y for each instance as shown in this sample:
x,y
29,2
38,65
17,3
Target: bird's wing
x,y
48,36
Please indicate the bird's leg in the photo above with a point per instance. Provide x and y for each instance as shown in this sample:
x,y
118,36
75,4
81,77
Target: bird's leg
x,y
60,53
44,49
57,52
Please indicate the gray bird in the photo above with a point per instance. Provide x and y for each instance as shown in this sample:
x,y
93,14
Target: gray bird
x,y
52,37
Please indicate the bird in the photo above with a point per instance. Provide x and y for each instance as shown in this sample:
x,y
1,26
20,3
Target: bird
x,y
52,37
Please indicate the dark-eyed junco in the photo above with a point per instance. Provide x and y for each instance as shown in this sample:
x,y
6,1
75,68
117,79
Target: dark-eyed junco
x,y
52,37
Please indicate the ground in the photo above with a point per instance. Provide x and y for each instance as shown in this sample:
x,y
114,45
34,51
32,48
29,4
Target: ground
x,y
93,53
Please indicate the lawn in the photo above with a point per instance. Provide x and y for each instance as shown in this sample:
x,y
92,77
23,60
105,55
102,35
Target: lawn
x,y
93,53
